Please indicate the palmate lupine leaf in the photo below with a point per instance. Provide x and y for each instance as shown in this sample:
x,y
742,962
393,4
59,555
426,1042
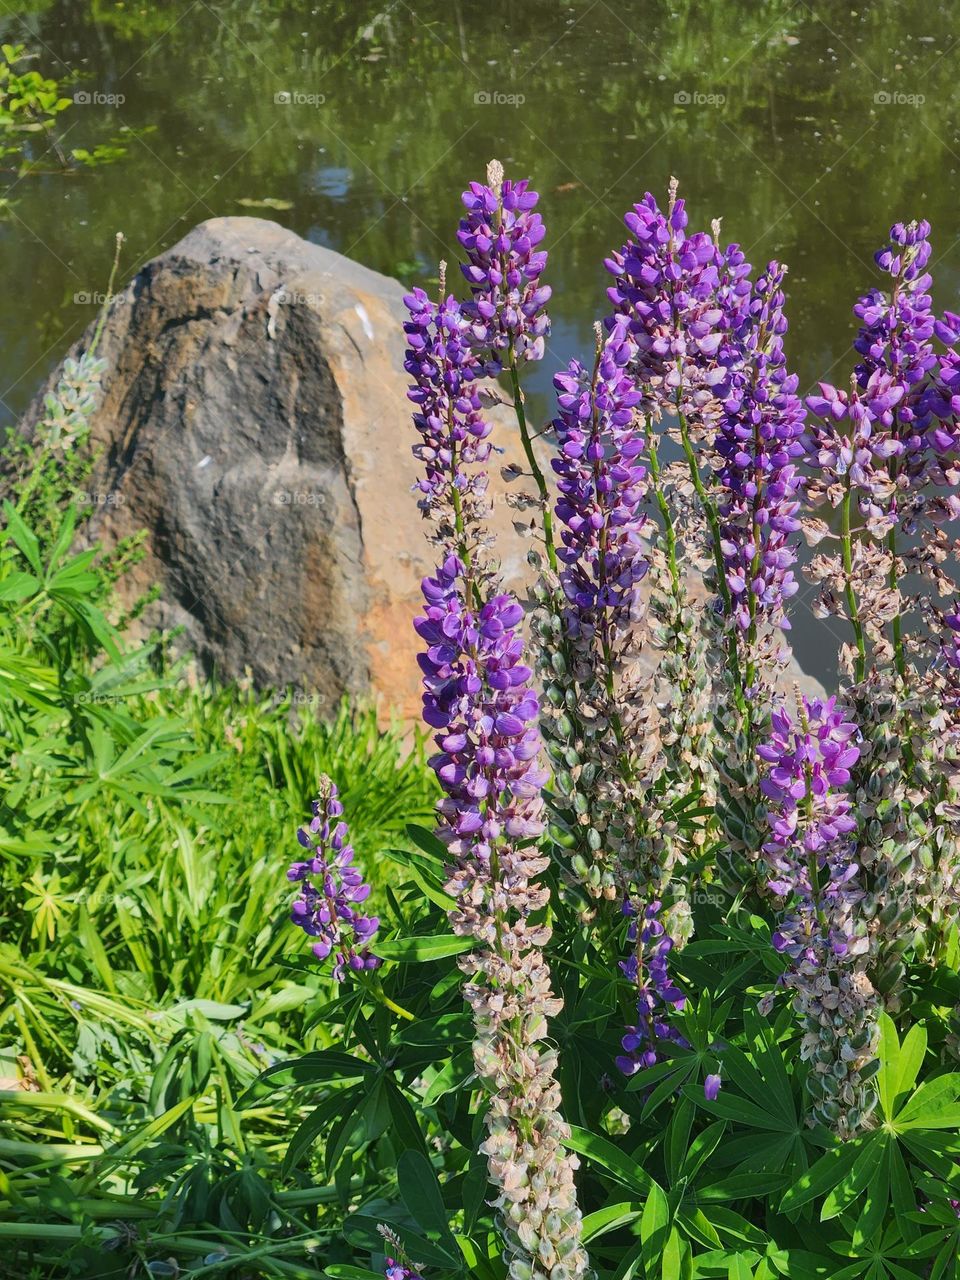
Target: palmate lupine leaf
x,y
880,1166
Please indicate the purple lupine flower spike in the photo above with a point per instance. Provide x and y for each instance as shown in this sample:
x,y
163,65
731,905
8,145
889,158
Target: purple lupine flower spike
x,y
500,234
888,422
601,483
479,698
454,434
684,298
657,995
759,442
331,889
811,856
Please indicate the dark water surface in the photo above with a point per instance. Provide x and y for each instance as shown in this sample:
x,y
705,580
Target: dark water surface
x,y
808,129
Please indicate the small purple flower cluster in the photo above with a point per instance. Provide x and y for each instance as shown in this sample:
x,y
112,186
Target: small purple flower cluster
x,y
811,854
330,889
684,297
500,235
759,441
809,766
601,487
648,968
447,371
394,1270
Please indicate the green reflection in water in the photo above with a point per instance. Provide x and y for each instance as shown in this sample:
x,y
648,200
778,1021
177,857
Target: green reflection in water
x,y
807,128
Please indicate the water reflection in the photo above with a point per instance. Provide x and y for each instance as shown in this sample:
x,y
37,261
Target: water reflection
x,y
807,129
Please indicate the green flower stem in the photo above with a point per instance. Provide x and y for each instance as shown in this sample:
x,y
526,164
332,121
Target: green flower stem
x,y
538,476
853,608
713,519
897,624
669,529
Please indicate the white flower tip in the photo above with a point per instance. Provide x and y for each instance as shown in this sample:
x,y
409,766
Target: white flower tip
x,y
495,177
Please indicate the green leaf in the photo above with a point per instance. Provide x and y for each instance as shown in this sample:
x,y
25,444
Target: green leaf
x,y
611,1158
703,1147
654,1223
25,540
420,1192
406,1128
672,1254
18,586
912,1053
823,1176
853,1183
614,1215
897,1063
418,950
678,1136
929,1100
314,1124
311,1068
728,1106
739,1269
876,1198
428,843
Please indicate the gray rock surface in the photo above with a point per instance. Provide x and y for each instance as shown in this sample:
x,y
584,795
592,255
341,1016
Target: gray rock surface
x,y
254,421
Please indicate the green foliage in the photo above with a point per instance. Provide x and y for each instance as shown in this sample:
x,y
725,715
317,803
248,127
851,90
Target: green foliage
x,y
30,106
147,969
672,1185
29,101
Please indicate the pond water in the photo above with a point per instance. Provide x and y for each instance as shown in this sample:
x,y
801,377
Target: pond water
x,y
807,128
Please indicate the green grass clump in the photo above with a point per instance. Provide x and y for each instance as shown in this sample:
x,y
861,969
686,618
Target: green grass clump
x,y
148,970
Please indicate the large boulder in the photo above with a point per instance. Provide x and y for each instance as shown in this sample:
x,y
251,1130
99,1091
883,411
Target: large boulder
x,y
254,421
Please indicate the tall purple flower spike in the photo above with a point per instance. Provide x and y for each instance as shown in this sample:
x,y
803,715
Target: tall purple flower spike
x,y
331,889
479,699
899,414
500,234
601,483
446,392
760,442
